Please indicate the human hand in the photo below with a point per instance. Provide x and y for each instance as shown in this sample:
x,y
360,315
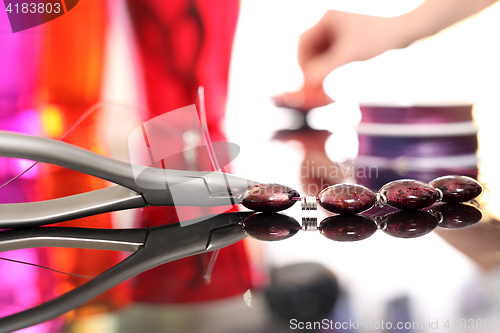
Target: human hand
x,y
339,38
303,100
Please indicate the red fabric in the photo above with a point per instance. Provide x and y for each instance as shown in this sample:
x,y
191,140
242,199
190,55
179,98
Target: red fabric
x,y
183,45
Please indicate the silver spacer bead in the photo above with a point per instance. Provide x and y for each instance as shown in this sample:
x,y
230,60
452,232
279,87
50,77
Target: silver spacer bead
x,y
309,203
310,224
440,194
381,200
381,224
475,203
437,214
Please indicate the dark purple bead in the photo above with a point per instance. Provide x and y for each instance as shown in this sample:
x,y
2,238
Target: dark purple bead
x,y
457,188
347,228
409,194
270,226
347,198
269,198
408,224
456,216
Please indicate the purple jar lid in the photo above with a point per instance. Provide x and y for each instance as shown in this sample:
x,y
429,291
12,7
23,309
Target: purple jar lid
x,y
417,146
422,113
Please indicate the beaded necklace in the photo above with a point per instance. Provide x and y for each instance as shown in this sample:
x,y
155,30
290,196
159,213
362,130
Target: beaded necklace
x,y
352,199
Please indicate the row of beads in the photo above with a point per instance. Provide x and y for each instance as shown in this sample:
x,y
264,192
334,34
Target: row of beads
x,y
354,198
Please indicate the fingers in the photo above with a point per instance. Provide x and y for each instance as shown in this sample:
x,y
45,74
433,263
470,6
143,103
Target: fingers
x,y
312,43
320,49
303,100
316,70
339,38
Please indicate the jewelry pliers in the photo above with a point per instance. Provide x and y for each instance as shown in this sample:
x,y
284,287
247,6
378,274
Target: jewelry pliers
x,y
137,186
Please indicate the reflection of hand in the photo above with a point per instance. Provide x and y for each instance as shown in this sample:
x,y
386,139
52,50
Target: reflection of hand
x,y
339,38
317,171
304,99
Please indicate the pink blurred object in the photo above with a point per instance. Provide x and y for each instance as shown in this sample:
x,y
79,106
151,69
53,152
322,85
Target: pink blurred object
x,y
303,100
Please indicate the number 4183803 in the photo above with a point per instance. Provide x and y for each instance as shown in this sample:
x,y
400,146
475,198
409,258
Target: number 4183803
x,y
471,324
33,8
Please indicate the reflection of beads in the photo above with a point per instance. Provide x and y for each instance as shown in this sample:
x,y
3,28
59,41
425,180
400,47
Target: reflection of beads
x,y
407,223
270,226
456,215
352,198
348,228
309,224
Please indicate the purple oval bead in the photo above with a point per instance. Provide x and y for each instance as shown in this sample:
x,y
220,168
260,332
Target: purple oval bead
x,y
408,224
269,198
456,216
270,226
409,194
346,228
347,198
457,188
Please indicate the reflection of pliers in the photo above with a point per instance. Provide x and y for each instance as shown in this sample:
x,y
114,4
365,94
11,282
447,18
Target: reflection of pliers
x,y
137,186
151,246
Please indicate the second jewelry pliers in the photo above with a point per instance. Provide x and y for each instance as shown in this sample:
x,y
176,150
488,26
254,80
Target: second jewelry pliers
x,y
151,247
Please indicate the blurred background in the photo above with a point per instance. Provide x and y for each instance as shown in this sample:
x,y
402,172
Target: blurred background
x,y
131,61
